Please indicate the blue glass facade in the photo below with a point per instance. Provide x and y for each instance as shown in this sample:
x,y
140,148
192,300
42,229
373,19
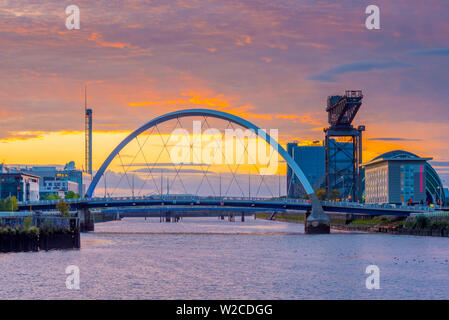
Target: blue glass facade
x,y
311,161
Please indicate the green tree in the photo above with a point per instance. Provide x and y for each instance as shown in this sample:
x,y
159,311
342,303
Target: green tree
x,y
27,222
52,197
72,195
321,194
9,204
334,194
63,207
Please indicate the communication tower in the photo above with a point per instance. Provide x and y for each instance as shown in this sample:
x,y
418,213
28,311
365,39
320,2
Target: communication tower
x,y
87,135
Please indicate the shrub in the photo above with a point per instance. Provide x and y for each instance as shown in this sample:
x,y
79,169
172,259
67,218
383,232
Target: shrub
x,y
27,222
33,231
63,207
422,221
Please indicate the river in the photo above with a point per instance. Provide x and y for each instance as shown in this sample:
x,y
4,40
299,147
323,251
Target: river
x,y
207,258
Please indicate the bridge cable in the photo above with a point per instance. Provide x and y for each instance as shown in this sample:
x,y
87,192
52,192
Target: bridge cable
x,y
165,147
237,167
255,165
205,172
148,167
182,163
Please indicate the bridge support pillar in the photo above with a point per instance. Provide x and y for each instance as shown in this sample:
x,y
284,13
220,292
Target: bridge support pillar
x,y
317,222
86,220
243,216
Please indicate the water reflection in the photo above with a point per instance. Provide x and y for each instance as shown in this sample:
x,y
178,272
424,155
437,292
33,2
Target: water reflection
x,y
207,258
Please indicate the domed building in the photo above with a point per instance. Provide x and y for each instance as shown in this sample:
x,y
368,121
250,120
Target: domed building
x,y
400,176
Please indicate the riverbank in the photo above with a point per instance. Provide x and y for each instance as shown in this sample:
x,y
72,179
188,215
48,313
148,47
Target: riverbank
x,y
418,226
37,232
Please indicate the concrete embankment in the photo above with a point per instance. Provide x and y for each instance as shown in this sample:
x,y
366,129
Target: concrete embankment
x,y
419,226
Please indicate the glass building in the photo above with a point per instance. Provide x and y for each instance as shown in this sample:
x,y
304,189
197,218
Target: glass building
x,y
434,189
402,177
311,161
23,186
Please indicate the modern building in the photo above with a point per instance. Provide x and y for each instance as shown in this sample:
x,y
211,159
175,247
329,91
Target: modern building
x,y
54,180
58,187
24,186
434,189
311,161
396,177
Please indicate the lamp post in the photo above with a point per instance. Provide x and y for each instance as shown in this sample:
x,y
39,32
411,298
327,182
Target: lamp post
x,y
440,199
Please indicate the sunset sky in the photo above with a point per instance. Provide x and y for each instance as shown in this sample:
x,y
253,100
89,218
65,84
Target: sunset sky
x,y
272,62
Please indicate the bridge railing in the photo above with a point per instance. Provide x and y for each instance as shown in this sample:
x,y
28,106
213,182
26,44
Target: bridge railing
x,y
193,198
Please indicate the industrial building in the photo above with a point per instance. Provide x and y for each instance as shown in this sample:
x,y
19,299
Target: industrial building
x,y
23,186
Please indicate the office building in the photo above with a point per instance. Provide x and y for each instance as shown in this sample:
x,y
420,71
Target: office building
x,y
397,178
433,186
24,186
311,161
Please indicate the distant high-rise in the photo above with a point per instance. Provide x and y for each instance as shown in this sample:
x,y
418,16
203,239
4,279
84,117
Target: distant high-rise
x,y
87,135
311,160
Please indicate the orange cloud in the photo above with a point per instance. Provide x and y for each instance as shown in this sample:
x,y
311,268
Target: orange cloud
x,y
218,103
244,40
306,118
97,38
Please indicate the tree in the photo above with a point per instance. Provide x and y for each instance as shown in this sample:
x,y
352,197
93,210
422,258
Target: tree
x,y
63,207
334,194
52,197
9,204
72,195
321,194
27,222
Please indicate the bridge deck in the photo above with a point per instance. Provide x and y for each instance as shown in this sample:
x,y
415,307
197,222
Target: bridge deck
x,y
228,203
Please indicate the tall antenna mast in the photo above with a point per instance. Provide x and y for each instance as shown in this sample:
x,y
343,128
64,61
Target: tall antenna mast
x,y
87,134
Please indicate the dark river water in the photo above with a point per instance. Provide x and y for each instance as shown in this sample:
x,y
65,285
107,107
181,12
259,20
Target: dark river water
x,y
206,258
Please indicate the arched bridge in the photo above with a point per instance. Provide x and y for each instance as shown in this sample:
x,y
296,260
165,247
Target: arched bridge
x,y
318,221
